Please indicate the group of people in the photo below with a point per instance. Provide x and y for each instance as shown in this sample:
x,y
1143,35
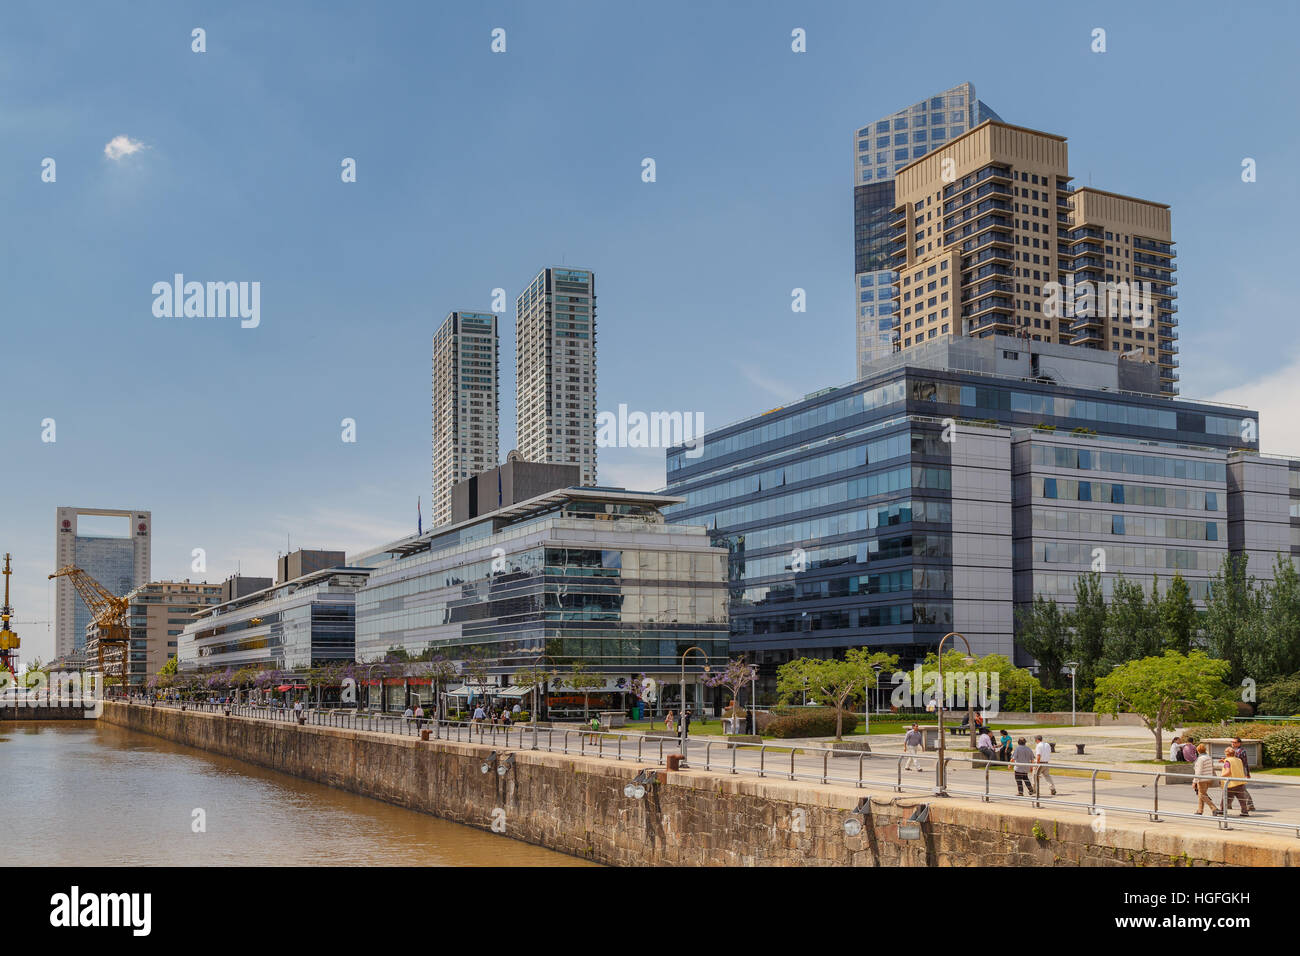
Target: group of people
x,y
505,716
1234,765
1031,767
672,720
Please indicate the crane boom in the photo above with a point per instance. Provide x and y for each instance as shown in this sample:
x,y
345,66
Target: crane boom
x,y
108,614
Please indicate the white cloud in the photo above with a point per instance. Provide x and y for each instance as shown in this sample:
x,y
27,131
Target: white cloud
x,y
760,378
122,145
1276,396
636,469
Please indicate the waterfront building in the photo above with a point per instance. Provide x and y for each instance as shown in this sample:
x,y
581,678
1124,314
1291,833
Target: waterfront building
x,y
119,562
466,409
880,150
302,562
555,370
239,585
949,486
293,625
571,575
157,612
990,240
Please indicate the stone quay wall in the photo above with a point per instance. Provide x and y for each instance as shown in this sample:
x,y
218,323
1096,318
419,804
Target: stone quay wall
x,y
576,805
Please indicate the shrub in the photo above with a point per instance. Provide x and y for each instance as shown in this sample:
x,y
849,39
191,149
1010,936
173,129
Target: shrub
x,y
1282,749
1280,697
808,722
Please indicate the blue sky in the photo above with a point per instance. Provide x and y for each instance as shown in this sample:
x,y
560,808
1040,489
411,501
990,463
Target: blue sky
x,y
475,170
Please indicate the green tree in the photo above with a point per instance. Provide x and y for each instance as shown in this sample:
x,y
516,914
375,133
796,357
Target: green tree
x,y
1167,690
1130,628
1088,621
1231,612
1176,618
170,668
581,679
1270,646
536,677
1013,685
839,681
1044,635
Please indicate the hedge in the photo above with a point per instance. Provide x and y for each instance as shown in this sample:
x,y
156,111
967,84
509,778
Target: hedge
x,y
808,722
1281,741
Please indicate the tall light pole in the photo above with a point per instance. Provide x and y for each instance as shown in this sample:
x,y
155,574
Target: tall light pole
x,y
370,670
537,691
681,724
1072,667
753,698
942,779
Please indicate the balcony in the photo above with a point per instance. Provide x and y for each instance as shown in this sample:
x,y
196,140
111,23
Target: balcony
x,y
987,304
999,238
1151,245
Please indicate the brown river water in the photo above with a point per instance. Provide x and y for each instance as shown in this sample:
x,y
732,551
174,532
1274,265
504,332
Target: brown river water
x,y
81,793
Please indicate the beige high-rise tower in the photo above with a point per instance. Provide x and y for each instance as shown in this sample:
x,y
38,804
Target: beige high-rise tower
x,y
555,370
991,239
466,373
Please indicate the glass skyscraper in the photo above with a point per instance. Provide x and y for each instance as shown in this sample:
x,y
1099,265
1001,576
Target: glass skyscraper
x,y
880,150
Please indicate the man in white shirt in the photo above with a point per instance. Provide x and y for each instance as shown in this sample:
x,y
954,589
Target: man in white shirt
x,y
984,744
1042,755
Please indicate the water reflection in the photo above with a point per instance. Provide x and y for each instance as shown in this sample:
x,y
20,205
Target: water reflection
x,y
92,794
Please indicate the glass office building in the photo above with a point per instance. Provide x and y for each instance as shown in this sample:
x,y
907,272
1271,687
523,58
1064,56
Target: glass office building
x,y
880,150
292,626
591,575
929,499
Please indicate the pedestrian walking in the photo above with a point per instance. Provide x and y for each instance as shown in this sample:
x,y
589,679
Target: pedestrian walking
x,y
419,715
1042,755
686,723
1203,780
670,722
297,709
1233,767
1024,760
1241,755
913,743
479,713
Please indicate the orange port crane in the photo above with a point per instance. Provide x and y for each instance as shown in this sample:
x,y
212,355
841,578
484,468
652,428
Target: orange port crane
x,y
108,612
9,642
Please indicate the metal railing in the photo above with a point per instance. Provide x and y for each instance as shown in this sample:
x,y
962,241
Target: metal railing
x,y
824,765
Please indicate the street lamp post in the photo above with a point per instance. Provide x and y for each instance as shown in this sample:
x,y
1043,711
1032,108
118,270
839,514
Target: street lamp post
x,y
369,671
537,693
681,724
1072,667
942,777
753,698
